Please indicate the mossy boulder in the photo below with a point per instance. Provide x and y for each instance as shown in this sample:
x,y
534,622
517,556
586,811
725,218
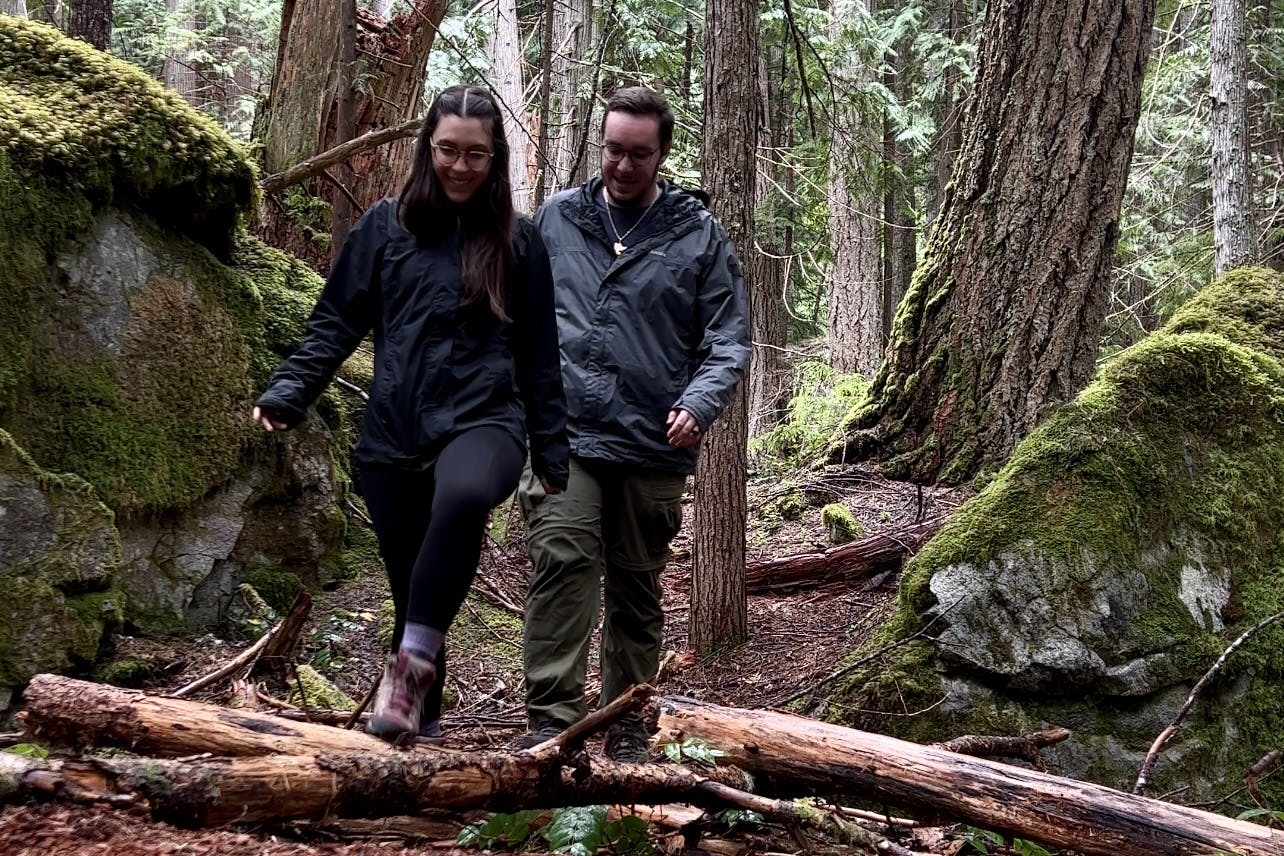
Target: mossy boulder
x,y
841,525
140,322
59,555
1126,543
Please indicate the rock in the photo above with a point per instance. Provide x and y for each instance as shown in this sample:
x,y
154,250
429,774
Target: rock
x,y
1104,569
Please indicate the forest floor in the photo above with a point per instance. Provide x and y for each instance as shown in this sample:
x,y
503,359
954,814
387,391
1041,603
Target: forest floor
x,y
795,642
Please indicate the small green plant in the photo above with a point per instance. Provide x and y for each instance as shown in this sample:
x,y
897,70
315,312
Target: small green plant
x,y
310,213
693,749
499,830
985,841
1261,814
29,750
577,831
822,401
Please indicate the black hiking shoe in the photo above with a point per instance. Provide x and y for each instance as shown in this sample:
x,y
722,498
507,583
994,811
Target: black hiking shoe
x,y
626,743
531,739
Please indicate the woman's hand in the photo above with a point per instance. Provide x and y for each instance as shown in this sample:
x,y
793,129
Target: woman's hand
x,y
266,418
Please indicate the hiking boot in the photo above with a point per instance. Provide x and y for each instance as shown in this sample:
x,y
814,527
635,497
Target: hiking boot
x,y
626,743
430,730
531,739
406,679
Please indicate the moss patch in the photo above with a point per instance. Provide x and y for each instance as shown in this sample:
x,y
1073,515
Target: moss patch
x,y
841,526
318,692
1171,460
277,587
103,128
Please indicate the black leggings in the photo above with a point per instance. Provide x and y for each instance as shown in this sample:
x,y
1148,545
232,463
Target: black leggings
x,y
430,527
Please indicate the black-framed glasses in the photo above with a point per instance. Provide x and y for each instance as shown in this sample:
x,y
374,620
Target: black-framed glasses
x,y
476,159
615,154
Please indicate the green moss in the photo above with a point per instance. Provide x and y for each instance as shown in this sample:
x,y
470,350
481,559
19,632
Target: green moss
x,y
841,526
131,671
277,587
318,692
822,400
492,633
1174,454
103,128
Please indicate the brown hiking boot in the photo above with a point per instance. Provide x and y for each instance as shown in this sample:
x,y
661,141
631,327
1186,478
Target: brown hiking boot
x,y
627,743
406,679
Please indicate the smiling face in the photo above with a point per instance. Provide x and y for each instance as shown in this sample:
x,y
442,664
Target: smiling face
x,y
461,156
631,157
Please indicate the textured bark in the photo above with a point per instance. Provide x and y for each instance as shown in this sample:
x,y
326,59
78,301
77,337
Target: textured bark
x,y
178,71
1004,313
15,8
790,754
345,120
1267,141
719,610
90,20
574,80
301,116
948,18
290,787
505,49
769,373
856,287
1234,226
69,712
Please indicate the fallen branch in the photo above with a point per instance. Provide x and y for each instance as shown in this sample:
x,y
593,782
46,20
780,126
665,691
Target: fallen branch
x,y
791,755
1269,763
841,565
315,165
1143,777
285,636
69,712
1026,748
231,667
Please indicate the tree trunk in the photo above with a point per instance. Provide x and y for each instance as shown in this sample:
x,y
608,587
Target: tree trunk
x,y
948,19
505,51
301,115
286,787
789,754
178,71
856,287
1234,226
768,374
571,107
69,712
90,20
900,237
719,609
15,8
345,121
1268,141
1004,315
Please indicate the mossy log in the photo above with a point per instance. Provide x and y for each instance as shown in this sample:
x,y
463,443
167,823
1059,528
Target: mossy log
x,y
800,755
69,712
295,787
841,565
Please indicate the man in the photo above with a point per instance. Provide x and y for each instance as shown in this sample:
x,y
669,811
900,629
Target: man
x,y
654,336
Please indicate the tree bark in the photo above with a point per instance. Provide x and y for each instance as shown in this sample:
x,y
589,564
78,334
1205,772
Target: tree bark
x,y
1003,316
345,120
178,71
14,8
789,754
1234,225
69,712
576,64
288,787
768,374
719,608
90,20
856,283
505,50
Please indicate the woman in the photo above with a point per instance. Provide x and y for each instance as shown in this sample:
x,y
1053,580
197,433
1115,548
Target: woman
x,y
459,296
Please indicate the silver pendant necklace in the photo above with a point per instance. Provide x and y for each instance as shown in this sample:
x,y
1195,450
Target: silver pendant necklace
x,y
619,246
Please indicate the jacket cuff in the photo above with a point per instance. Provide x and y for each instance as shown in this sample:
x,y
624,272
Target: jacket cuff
x,y
290,414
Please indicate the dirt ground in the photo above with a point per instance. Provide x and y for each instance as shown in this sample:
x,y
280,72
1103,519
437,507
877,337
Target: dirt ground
x,y
795,642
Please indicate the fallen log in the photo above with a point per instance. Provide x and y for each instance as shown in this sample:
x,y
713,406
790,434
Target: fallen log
x,y
70,712
796,754
279,788
841,565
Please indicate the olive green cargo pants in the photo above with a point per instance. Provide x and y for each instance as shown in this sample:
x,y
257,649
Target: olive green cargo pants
x,y
608,532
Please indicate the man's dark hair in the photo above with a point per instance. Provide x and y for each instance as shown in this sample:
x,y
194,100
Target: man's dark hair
x,y
643,101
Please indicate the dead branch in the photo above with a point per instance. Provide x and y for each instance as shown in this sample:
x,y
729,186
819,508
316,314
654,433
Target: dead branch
x,y
231,667
1269,763
1143,778
1026,747
285,638
315,165
791,755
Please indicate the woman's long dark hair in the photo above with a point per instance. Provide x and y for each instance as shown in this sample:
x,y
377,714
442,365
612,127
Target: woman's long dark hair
x,y
486,220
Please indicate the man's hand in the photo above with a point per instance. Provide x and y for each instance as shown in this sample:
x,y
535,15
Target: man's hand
x,y
549,488
267,419
684,430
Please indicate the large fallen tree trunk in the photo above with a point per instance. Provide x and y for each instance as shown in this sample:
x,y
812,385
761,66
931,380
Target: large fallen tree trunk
x,y
283,787
796,754
69,712
841,565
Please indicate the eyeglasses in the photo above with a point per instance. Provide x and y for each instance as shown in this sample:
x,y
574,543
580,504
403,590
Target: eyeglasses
x,y
615,154
476,159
